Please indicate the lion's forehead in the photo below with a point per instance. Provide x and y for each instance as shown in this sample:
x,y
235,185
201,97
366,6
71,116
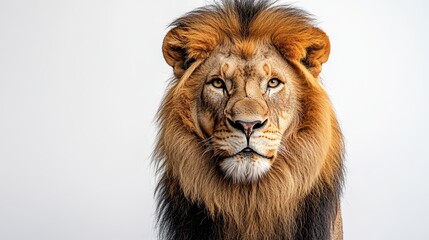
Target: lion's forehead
x,y
233,65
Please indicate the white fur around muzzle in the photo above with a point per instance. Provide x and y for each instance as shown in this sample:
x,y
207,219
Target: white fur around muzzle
x,y
244,170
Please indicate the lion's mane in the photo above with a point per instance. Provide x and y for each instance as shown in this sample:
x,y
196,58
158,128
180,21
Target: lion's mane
x,y
299,196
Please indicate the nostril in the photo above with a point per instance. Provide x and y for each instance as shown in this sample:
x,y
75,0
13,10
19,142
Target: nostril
x,y
236,124
259,124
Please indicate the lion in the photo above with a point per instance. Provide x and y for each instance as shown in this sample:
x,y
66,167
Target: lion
x,y
249,146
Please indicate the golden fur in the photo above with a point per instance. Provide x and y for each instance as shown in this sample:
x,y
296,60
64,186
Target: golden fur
x,y
308,163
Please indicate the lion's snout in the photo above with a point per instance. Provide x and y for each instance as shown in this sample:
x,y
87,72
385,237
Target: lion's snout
x,y
247,127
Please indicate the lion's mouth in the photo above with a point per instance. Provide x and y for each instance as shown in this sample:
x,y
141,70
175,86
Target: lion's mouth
x,y
250,151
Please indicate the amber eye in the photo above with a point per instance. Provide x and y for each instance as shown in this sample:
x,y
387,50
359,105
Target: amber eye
x,y
273,83
218,83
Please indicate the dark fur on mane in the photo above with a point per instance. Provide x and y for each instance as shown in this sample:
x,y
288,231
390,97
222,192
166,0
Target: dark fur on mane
x,y
247,11
181,219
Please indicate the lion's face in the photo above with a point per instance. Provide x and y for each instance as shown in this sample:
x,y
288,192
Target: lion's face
x,y
251,78
245,106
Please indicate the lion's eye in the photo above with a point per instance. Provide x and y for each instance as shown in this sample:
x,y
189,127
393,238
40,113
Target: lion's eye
x,y
273,83
218,83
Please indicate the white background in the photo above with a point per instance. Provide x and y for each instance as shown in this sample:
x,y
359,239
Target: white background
x,y
80,82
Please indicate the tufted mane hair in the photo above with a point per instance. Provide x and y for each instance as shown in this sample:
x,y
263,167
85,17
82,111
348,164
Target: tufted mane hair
x,y
290,29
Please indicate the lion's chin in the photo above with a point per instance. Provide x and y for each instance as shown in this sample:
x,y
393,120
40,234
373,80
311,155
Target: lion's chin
x,y
245,167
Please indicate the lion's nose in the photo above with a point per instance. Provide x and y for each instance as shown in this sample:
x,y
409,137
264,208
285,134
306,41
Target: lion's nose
x,y
247,127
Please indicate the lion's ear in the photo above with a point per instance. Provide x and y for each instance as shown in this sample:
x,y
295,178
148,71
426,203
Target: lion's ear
x,y
317,52
311,48
182,46
173,49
